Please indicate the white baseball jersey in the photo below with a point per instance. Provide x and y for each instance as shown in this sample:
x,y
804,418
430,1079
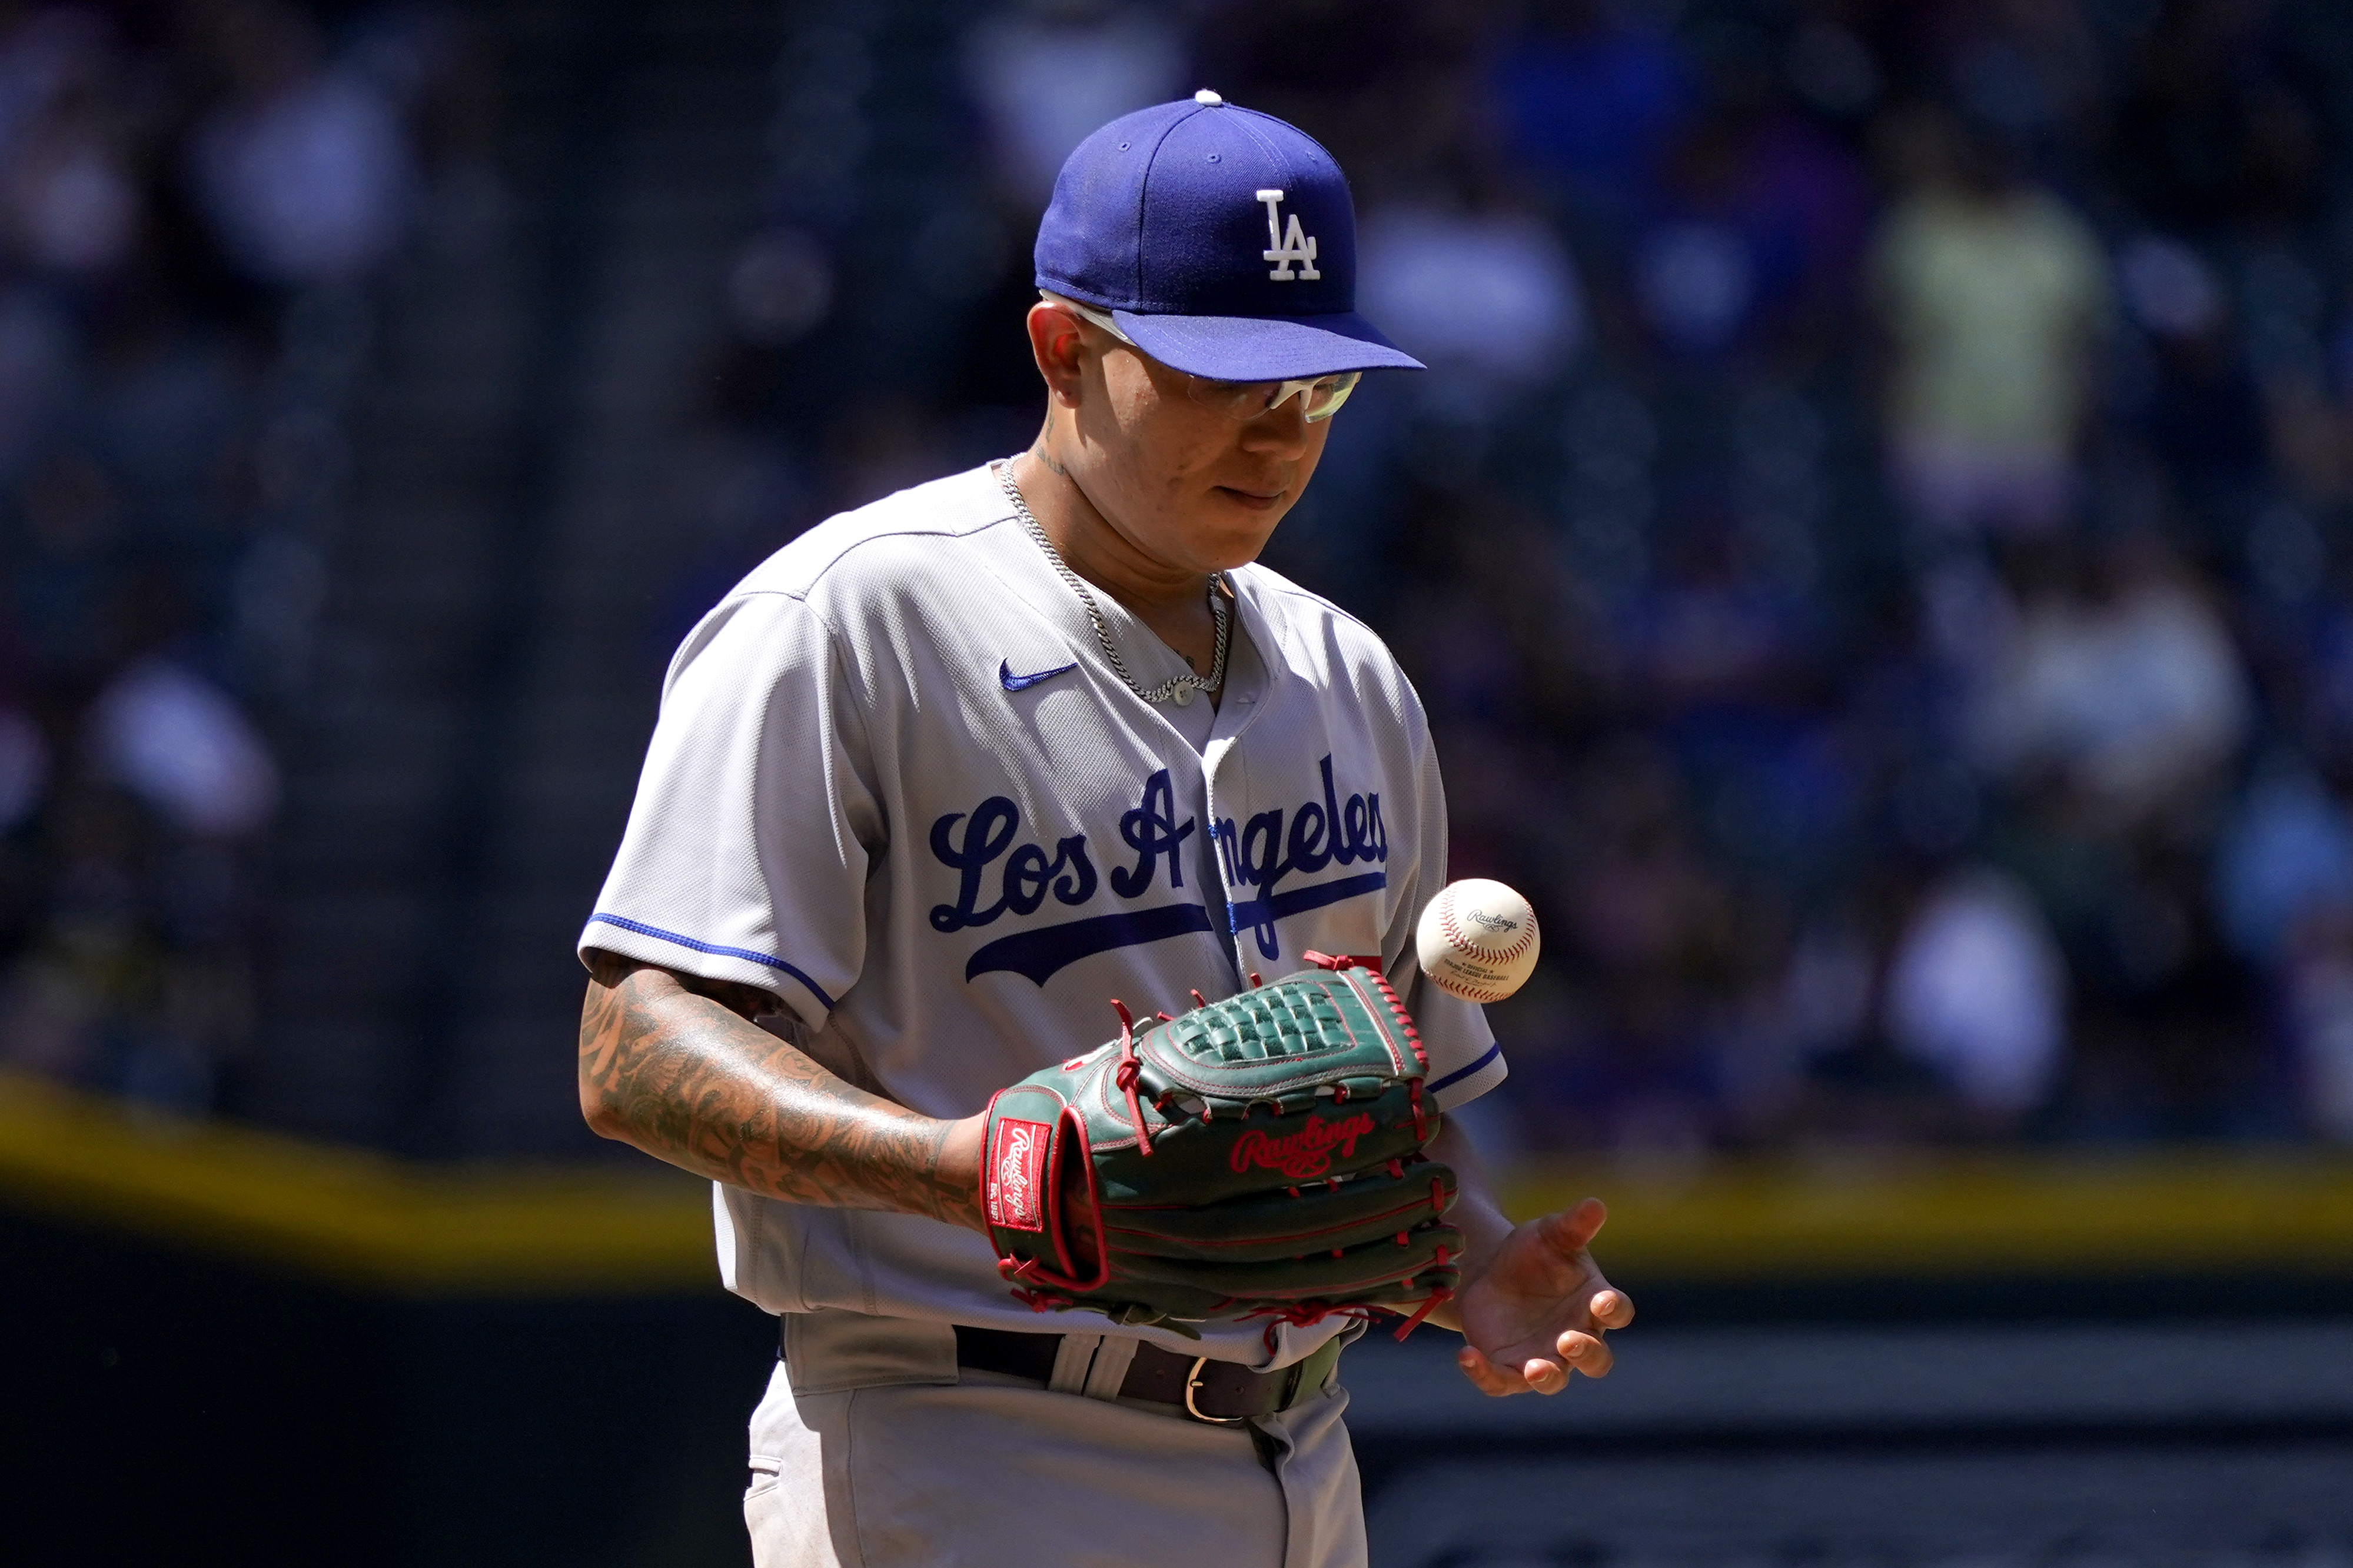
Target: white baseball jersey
x,y
896,783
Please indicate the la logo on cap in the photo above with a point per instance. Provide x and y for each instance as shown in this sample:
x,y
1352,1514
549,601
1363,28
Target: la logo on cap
x,y
1285,248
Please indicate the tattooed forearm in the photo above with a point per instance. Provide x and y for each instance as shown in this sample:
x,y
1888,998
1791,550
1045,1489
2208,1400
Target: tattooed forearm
x,y
673,1065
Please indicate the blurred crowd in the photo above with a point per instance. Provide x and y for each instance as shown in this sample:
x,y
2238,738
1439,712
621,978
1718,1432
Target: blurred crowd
x,y
193,201
1874,538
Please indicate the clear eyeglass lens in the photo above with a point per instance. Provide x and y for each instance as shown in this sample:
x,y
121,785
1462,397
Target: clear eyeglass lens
x,y
1320,398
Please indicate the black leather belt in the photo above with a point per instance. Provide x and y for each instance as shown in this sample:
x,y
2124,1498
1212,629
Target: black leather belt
x,y
1222,1392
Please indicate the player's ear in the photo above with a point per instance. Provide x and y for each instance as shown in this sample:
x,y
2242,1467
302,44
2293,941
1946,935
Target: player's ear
x,y
1058,341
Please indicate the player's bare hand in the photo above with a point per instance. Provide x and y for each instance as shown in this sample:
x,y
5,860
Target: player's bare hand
x,y
1537,1311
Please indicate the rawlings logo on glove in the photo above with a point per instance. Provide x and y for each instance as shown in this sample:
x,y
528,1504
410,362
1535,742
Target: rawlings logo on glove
x,y
1017,1158
1306,1153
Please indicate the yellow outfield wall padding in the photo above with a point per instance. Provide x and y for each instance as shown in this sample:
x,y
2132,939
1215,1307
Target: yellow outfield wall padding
x,y
2200,1210
350,1216
380,1223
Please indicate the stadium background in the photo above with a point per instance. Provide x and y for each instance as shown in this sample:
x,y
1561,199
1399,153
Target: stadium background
x,y
1873,542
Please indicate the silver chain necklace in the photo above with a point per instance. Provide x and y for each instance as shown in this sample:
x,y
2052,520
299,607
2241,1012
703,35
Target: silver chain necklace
x,y
1177,688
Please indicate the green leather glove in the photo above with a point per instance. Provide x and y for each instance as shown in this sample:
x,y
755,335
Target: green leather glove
x,y
1261,1156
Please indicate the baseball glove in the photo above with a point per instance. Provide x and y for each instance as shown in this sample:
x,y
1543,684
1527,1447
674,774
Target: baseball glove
x,y
1261,1156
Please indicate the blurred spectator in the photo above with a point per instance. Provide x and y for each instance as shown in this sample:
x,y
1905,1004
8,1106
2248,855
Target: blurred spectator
x,y
191,207
70,202
2284,888
780,288
1387,85
1048,72
1488,299
1992,293
1589,96
1755,222
2131,696
24,767
305,169
2318,986
178,742
2214,126
2205,416
2286,862
1977,990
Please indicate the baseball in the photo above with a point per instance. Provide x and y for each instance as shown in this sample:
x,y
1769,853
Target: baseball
x,y
1477,939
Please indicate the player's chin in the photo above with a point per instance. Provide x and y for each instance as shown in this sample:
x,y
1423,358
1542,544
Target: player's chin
x,y
1237,532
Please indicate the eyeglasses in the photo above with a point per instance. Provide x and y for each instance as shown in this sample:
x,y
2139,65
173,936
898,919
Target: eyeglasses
x,y
1320,396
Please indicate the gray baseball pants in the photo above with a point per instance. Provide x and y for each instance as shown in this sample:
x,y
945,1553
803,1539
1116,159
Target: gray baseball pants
x,y
873,1449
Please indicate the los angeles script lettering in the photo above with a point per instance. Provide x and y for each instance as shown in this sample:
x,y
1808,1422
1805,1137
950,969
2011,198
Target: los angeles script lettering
x,y
1321,833
1305,1154
980,847
1150,828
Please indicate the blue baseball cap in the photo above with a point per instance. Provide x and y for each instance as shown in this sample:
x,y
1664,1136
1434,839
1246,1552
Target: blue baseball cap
x,y
1221,239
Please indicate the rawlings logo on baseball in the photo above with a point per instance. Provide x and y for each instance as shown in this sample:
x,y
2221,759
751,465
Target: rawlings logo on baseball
x,y
1017,1169
1306,1153
1477,939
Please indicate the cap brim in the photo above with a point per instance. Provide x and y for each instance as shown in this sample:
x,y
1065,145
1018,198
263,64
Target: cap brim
x,y
1265,348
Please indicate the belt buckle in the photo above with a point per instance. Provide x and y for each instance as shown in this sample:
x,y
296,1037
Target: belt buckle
x,y
1192,1382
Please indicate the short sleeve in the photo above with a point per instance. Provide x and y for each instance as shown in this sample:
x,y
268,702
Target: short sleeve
x,y
746,854
1465,1061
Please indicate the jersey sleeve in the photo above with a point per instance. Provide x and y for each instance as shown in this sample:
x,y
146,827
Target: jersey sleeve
x,y
1465,1061
746,853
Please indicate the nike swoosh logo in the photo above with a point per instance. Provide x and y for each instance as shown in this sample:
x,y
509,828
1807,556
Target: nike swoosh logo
x,y
1012,682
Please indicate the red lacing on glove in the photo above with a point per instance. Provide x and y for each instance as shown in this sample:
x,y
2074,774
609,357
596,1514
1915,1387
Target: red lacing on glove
x,y
1438,1294
1303,1315
1437,1197
1036,1297
1365,962
1404,1018
1199,1000
1420,1123
1126,1074
1372,966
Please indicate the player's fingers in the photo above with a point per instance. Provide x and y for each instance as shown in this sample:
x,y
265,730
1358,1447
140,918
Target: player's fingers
x,y
1486,1376
1612,1308
1586,1353
1572,1230
1545,1376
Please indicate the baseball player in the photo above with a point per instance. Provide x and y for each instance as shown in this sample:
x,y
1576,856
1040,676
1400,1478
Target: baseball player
x,y
947,773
